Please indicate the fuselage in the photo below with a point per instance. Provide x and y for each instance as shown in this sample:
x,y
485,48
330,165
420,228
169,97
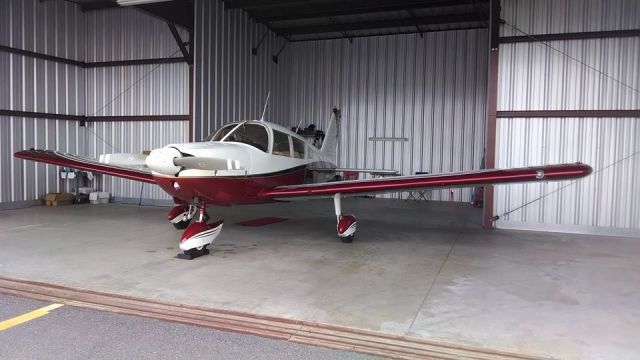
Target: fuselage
x,y
254,155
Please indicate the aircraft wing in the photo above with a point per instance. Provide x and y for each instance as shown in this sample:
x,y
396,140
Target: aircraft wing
x,y
446,180
76,162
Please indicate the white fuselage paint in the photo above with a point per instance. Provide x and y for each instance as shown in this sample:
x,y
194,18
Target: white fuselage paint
x,y
244,159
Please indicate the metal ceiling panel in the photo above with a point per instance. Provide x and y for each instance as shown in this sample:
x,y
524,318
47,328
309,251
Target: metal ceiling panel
x,y
300,20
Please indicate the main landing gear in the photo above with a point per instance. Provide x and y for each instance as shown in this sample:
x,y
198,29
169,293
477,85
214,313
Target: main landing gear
x,y
346,223
199,234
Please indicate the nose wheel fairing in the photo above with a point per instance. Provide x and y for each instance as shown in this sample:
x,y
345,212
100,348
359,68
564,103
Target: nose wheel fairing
x,y
198,235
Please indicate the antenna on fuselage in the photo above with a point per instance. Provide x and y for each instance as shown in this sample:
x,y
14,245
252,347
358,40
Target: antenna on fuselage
x,y
265,106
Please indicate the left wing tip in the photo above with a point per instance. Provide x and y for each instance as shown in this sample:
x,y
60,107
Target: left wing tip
x,y
26,154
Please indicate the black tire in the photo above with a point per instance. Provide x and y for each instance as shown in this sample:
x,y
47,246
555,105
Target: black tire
x,y
182,224
348,239
194,253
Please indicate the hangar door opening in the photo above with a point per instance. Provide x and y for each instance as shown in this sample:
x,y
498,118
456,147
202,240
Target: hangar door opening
x,y
412,91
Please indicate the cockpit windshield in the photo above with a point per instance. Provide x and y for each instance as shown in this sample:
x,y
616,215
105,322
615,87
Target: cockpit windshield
x,y
218,135
251,134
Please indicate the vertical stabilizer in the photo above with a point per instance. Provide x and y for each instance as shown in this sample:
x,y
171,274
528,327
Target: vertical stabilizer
x,y
330,143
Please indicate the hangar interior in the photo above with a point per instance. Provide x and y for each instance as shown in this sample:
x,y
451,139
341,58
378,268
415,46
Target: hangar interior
x,y
423,86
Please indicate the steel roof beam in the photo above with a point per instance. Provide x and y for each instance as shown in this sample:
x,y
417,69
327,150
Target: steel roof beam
x,y
246,4
355,36
311,10
98,5
341,27
571,36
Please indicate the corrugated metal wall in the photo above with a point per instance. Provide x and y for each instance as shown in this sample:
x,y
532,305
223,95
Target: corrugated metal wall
x,y
161,89
28,84
430,90
60,28
535,77
230,83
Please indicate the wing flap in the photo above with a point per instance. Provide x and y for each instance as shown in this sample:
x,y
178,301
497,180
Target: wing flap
x,y
76,162
459,179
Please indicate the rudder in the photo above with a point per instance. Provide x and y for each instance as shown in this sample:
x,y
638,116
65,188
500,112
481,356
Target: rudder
x,y
330,143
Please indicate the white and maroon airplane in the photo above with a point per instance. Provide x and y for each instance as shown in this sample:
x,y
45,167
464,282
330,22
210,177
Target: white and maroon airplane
x,y
252,162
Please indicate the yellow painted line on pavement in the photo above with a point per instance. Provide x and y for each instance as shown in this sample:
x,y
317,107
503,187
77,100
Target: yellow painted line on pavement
x,y
7,324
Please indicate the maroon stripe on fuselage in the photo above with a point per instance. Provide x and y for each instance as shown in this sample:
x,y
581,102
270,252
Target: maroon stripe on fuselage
x,y
225,191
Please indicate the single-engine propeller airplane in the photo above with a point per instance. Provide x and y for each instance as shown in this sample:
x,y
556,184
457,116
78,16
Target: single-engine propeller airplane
x,y
254,161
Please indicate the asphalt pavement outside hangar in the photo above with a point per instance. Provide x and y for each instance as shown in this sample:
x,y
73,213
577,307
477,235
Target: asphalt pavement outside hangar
x,y
32,329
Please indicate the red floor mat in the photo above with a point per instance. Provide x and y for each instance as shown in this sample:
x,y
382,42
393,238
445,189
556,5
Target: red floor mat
x,y
262,221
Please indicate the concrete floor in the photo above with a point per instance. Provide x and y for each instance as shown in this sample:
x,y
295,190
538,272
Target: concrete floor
x,y
420,269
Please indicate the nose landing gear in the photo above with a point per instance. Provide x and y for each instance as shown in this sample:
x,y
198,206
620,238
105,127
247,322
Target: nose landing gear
x,y
199,235
346,223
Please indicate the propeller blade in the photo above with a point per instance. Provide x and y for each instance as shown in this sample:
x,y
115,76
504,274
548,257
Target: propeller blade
x,y
207,163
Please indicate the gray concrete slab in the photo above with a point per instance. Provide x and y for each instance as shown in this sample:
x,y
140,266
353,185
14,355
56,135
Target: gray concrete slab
x,y
422,269
75,333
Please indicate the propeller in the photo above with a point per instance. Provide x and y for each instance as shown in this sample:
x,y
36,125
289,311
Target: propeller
x,y
207,163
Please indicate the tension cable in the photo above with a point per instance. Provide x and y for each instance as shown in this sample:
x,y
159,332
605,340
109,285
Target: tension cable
x,y
145,75
602,73
497,217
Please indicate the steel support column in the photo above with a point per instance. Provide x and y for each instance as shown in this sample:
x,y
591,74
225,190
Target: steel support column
x,y
492,105
191,84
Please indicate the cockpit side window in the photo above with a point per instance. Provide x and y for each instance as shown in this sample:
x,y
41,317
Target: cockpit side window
x,y
281,144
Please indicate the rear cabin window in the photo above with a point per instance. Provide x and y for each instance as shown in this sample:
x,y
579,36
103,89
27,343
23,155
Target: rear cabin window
x,y
298,148
281,144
